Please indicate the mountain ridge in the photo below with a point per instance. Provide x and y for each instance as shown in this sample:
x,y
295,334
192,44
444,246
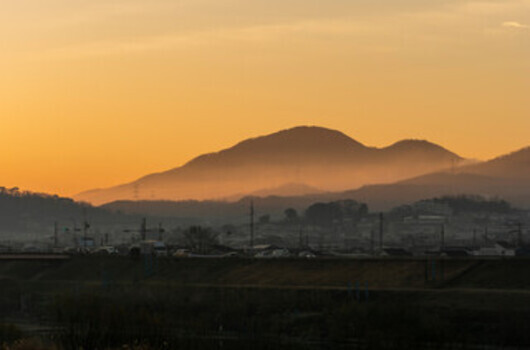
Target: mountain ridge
x,y
318,157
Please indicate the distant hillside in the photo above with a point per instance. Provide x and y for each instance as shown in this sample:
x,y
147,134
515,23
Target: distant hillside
x,y
506,177
219,212
478,179
285,190
317,157
35,213
514,166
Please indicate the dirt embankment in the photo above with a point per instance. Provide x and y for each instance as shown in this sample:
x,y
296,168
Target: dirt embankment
x,y
374,273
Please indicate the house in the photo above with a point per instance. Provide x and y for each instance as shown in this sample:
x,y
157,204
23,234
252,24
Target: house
x,y
273,253
456,252
395,252
86,242
499,248
106,250
523,251
152,247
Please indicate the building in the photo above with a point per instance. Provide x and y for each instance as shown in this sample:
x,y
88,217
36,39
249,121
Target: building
x,y
499,248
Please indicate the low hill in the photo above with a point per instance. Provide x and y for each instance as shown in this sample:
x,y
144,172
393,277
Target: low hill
x,y
28,215
219,212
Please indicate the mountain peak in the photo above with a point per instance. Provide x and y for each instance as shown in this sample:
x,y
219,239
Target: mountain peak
x,y
312,130
304,134
412,143
422,146
302,141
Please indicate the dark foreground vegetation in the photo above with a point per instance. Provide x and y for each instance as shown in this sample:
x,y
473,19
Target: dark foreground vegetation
x,y
163,312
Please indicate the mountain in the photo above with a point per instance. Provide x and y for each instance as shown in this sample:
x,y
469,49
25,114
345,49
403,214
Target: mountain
x,y
216,212
285,190
28,216
317,157
34,214
506,177
514,166
289,190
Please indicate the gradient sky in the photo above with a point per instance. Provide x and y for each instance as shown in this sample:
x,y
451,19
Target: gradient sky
x,y
94,93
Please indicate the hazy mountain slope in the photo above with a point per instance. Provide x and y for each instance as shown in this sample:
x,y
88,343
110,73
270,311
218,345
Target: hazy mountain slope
x,y
507,177
35,214
515,166
220,212
285,190
478,179
318,157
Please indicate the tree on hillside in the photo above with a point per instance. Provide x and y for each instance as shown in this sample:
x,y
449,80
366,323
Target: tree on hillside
x,y
328,214
200,239
264,219
323,214
291,215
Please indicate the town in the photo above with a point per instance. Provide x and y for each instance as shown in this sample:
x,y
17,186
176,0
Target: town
x,y
450,226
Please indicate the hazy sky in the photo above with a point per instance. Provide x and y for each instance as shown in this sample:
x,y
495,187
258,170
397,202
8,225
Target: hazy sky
x,y
98,92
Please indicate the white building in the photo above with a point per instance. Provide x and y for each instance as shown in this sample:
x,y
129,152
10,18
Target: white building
x,y
499,248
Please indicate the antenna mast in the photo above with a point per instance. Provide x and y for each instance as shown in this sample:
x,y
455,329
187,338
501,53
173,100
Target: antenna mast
x,y
252,225
55,234
442,238
85,228
381,225
160,231
143,229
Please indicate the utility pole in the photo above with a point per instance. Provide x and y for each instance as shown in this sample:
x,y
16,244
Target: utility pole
x,y
160,231
85,233
372,242
442,238
85,228
252,225
143,229
55,234
381,225
76,240
519,234
300,239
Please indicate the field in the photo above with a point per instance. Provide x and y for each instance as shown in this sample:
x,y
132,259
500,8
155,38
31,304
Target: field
x,y
109,302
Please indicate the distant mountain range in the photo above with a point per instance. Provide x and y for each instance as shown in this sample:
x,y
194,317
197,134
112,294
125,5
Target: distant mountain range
x,y
292,168
506,177
26,215
35,214
298,161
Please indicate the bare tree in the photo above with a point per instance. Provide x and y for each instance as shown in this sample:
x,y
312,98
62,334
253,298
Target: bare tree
x,y
200,239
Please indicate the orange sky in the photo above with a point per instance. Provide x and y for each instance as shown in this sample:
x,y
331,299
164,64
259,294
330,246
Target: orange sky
x,y
97,93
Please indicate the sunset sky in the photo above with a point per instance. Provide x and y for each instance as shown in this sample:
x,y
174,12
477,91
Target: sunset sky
x,y
94,93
